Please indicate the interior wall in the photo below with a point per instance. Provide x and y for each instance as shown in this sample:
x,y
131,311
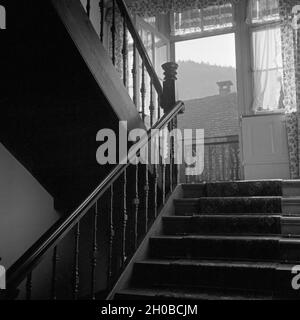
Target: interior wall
x,y
26,209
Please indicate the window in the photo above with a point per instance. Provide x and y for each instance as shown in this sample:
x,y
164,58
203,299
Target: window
x,y
151,21
203,63
203,20
262,11
267,65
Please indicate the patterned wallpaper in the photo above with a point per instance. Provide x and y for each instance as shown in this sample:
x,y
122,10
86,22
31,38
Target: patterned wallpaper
x,y
291,83
149,8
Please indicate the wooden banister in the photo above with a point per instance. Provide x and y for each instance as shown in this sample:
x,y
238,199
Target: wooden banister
x,y
31,258
140,46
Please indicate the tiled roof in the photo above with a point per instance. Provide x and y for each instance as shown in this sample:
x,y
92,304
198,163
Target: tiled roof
x,y
217,115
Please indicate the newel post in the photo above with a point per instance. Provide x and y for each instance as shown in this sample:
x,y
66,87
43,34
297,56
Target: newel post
x,y
169,86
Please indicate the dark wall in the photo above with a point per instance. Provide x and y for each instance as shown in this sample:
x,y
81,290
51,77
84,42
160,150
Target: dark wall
x,y
51,105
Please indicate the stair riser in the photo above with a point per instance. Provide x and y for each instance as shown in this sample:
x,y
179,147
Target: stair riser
x,y
234,206
234,189
204,276
207,226
215,249
235,249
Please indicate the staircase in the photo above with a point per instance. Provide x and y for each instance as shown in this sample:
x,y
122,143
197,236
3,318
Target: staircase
x,y
137,234
222,241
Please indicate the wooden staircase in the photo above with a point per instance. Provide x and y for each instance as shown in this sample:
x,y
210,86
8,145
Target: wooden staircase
x,y
222,241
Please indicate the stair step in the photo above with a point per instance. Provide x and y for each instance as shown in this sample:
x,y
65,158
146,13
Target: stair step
x,y
222,224
216,247
246,248
206,273
229,205
188,294
233,189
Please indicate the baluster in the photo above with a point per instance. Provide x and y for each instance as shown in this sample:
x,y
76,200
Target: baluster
x,y
95,251
76,263
163,165
101,5
124,53
164,176
88,7
125,217
54,270
151,107
236,155
146,188
171,153
143,91
113,32
158,107
136,203
134,76
155,189
179,166
29,286
112,235
210,163
164,182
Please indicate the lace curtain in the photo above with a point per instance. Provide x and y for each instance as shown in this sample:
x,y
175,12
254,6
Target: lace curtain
x,y
261,11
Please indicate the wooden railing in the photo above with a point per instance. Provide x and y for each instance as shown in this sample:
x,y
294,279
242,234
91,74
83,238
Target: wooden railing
x,y
221,161
127,201
118,34
84,253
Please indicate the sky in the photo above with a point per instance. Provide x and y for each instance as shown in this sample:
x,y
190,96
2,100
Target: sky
x,y
219,50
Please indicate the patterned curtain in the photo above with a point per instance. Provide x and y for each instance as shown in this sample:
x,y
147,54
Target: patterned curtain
x,y
291,86
148,8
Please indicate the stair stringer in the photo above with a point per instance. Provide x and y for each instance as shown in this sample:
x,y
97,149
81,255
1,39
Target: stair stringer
x,y
85,38
142,252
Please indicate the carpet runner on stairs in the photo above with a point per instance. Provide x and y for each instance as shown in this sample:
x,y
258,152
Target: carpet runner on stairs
x,y
224,241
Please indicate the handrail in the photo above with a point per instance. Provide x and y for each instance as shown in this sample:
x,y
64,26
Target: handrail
x,y
140,46
26,263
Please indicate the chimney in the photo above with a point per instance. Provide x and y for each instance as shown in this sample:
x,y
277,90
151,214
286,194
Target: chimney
x,y
224,87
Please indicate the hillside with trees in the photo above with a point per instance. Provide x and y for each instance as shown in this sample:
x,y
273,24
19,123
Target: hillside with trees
x,y
198,80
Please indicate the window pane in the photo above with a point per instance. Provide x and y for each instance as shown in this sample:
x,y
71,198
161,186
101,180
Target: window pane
x,y
151,21
267,69
260,11
199,20
203,63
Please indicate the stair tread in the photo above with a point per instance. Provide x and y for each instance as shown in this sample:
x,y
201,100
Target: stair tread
x,y
230,237
212,263
172,293
236,182
230,198
220,237
219,216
